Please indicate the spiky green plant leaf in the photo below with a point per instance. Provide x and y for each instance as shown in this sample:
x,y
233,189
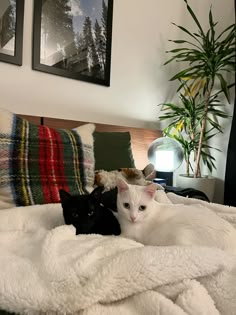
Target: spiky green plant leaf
x,y
208,57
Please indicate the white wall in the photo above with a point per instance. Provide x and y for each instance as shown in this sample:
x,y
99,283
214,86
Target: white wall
x,y
138,79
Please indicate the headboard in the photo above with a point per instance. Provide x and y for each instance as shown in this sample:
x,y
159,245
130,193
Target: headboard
x,y
140,138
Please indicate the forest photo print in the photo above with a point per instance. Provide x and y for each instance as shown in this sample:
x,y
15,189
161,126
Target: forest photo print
x,y
72,38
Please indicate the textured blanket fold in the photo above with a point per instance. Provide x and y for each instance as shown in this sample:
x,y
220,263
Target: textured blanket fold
x,y
46,269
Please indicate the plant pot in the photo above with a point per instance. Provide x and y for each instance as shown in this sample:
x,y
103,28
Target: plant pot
x,y
205,184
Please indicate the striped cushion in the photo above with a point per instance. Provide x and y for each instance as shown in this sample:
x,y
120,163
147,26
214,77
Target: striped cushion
x,y
37,161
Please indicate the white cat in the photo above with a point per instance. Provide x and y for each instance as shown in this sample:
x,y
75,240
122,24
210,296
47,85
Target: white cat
x,y
146,221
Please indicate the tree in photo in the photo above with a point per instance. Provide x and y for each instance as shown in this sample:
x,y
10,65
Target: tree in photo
x,y
100,45
12,17
104,20
58,35
94,67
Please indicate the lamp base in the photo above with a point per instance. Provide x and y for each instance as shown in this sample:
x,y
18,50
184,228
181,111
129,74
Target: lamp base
x,y
167,176
160,181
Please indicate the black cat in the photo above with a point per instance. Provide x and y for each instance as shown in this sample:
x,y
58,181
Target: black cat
x,y
91,213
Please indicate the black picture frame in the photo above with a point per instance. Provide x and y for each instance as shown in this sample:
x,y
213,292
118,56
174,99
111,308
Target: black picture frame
x,y
11,32
64,40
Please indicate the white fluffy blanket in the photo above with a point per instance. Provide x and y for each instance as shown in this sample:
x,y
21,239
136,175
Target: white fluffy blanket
x,y
46,269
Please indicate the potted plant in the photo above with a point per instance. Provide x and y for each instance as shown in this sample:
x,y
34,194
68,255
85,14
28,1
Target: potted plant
x,y
207,57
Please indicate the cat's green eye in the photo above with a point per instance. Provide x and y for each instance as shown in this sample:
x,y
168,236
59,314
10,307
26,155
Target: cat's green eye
x,y
126,205
90,213
142,208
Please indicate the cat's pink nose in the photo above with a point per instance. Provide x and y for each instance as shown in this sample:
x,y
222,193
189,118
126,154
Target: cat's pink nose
x,y
133,218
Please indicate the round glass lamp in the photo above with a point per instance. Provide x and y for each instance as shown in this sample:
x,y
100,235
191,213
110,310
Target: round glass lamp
x,y
166,154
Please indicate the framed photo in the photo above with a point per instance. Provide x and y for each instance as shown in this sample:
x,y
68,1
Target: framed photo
x,y
11,31
72,38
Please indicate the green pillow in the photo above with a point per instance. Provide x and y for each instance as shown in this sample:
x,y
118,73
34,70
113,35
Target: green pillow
x,y
112,150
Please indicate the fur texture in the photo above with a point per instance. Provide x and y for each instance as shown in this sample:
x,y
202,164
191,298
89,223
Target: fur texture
x,y
131,175
151,223
91,213
47,269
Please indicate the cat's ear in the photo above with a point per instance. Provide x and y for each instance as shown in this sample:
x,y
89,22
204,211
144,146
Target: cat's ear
x,y
96,193
122,185
64,195
149,172
150,189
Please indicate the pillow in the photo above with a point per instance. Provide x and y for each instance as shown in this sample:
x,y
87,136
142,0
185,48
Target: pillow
x,y
36,161
112,150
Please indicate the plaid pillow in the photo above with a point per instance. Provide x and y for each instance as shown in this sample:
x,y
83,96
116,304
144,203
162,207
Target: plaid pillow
x,y
36,161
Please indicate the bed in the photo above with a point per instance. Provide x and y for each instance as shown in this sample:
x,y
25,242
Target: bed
x,y
46,269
